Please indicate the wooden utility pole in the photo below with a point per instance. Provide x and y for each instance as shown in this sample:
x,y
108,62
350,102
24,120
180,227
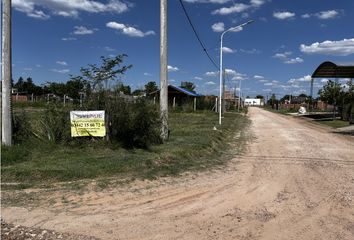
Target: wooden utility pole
x,y
163,70
6,121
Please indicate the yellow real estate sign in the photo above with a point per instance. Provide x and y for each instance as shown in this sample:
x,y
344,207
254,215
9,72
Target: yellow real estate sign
x,y
87,124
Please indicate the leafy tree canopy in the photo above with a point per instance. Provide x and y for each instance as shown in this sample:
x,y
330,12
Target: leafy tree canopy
x,y
188,86
150,87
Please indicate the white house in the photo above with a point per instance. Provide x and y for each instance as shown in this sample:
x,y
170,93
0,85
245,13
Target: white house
x,y
253,102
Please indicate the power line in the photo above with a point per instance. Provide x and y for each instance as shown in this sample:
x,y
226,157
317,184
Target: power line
x,y
197,36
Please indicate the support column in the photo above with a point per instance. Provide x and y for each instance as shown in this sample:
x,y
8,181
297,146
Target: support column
x,y
163,70
311,95
6,70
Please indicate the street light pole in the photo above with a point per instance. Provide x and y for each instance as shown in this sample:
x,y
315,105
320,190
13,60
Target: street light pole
x,y
220,70
239,96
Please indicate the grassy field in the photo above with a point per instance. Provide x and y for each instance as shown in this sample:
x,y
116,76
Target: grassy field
x,y
193,145
334,123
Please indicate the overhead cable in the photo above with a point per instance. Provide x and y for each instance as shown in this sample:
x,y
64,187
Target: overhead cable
x,y
197,36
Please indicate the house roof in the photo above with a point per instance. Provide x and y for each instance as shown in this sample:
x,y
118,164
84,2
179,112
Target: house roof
x,y
331,70
185,91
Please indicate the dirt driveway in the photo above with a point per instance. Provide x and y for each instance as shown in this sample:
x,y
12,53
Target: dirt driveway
x,y
296,181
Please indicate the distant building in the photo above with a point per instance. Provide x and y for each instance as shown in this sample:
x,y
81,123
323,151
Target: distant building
x,y
177,96
254,102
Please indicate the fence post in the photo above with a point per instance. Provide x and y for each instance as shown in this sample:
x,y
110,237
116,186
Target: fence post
x,y
174,102
195,104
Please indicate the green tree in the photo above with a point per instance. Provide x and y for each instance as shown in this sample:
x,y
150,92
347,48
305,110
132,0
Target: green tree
x,y
124,89
75,86
332,93
260,97
100,77
150,87
27,86
138,92
286,97
57,88
188,86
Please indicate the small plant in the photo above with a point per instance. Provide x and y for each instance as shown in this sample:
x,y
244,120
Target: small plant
x,y
54,125
21,127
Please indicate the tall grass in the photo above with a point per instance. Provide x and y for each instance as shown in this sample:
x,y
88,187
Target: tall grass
x,y
193,145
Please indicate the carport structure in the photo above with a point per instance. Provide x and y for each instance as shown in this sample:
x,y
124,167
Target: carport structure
x,y
331,70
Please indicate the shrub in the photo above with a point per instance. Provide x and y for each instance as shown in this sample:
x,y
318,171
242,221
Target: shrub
x,y
21,127
133,124
53,125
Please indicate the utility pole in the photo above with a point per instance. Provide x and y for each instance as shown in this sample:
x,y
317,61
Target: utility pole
x,y
163,70
6,126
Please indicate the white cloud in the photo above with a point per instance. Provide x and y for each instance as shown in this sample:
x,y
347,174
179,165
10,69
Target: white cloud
x,y
128,30
268,84
258,77
250,51
236,8
283,15
235,75
230,72
218,27
172,69
327,14
69,39
210,83
38,14
282,55
263,81
212,74
147,74
294,60
207,1
38,65
343,47
296,81
324,15
67,8
285,58
109,49
62,63
257,3
81,30
324,80
228,50
27,69
61,70
198,78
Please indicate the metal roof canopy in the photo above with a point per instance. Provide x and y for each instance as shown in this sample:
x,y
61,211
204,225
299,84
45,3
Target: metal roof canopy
x,y
185,91
331,70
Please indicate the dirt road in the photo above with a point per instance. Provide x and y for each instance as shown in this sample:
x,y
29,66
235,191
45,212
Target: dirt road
x,y
296,181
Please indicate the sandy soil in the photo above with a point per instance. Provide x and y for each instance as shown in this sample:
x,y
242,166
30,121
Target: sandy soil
x,y
296,181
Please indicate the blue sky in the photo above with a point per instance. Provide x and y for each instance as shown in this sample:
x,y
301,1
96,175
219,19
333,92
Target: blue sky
x,y
275,54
